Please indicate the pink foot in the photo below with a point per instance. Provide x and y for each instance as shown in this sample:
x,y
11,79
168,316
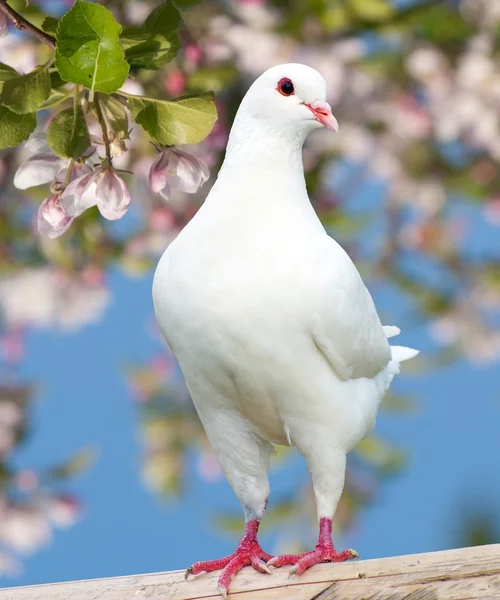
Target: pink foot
x,y
247,553
324,552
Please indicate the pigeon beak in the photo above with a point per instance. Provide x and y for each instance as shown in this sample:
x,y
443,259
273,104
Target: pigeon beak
x,y
322,112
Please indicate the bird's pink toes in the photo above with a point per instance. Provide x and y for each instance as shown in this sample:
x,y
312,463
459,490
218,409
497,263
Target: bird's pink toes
x,y
249,555
205,566
302,562
252,555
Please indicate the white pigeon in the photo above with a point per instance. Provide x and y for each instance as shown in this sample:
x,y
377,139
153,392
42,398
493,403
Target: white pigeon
x,y
277,336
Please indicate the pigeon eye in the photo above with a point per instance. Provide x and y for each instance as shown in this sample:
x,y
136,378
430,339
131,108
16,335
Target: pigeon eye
x,y
285,87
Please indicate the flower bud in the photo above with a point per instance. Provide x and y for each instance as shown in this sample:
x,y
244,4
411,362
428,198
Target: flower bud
x,y
112,195
177,169
52,220
37,170
79,195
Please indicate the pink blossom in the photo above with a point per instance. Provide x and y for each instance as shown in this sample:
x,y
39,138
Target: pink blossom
x,y
25,529
103,188
11,415
491,211
44,166
12,344
63,510
175,83
177,169
9,565
192,53
79,195
37,170
161,219
112,195
208,467
52,219
27,480
93,275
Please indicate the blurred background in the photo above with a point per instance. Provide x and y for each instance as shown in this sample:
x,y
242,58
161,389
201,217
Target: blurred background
x,y
104,467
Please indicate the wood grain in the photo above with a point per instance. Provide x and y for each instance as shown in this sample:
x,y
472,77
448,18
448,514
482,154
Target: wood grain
x,y
461,574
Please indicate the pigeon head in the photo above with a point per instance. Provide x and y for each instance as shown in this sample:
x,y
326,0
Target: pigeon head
x,y
290,98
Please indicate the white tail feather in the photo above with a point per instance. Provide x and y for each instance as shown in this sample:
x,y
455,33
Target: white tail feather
x,y
402,353
391,330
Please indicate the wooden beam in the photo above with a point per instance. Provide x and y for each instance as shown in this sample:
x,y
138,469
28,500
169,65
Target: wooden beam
x,y
461,574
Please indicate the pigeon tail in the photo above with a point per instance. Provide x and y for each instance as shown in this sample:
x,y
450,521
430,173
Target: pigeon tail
x,y
402,353
398,353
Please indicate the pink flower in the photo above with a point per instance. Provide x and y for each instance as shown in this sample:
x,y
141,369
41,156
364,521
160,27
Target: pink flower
x,y
27,480
104,189
63,510
112,195
491,211
175,83
177,169
208,467
79,195
12,344
44,166
192,53
161,219
52,220
37,170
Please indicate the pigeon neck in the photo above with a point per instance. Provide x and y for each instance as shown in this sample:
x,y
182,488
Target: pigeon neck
x,y
258,154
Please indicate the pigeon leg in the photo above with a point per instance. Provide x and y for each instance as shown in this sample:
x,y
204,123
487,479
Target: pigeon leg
x,y
327,466
247,553
324,552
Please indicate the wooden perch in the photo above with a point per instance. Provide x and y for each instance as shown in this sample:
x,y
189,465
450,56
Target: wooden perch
x,y
462,574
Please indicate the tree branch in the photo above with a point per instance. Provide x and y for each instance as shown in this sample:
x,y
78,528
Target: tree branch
x,y
21,23
104,127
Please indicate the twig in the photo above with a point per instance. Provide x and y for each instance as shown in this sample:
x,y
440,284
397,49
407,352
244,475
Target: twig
x,y
21,23
104,127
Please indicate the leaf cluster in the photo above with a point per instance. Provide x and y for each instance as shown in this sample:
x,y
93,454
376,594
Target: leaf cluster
x,y
94,56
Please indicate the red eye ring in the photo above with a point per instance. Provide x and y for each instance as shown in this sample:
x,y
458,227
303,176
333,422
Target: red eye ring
x,y
285,86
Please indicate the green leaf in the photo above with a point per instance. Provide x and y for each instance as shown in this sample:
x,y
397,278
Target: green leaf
x,y
145,50
78,463
437,23
185,4
157,42
50,25
115,113
67,134
212,78
88,51
186,120
6,73
15,128
164,17
372,10
59,92
25,93
55,79
335,18
55,98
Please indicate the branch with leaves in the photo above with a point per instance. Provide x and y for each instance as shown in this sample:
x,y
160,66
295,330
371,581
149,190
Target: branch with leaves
x,y
93,58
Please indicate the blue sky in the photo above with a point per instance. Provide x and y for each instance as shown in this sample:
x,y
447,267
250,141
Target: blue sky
x,y
452,440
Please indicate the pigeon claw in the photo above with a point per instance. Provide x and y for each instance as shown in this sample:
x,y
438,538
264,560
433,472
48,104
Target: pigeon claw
x,y
302,562
247,554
